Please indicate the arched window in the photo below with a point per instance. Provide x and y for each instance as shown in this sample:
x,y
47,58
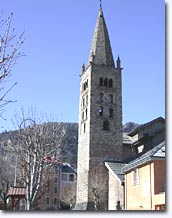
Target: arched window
x,y
105,82
101,81
83,102
82,115
110,83
86,113
106,125
100,111
86,84
110,112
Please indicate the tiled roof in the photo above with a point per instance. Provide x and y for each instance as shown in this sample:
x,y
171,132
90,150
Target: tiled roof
x,y
67,168
101,52
116,168
158,152
159,119
19,191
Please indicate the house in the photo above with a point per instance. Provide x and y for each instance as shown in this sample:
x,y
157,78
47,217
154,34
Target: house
x,y
61,190
144,141
143,138
67,187
145,180
116,185
58,194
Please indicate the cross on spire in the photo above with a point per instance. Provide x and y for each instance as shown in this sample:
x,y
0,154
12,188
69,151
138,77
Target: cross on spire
x,y
100,3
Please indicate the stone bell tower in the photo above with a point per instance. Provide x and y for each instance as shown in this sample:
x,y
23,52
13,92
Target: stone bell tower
x,y
100,120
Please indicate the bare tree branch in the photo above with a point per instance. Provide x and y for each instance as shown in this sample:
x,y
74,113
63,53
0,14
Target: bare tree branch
x,y
36,143
9,53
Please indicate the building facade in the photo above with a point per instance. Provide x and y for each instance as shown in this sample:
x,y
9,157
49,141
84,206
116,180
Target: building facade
x,y
145,181
138,182
116,188
100,120
60,193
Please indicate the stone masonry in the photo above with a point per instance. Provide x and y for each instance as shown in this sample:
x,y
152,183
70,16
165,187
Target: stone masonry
x,y
100,120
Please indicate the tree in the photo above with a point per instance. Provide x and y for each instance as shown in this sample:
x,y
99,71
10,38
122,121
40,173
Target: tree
x,y
9,53
68,197
7,166
36,142
97,185
6,177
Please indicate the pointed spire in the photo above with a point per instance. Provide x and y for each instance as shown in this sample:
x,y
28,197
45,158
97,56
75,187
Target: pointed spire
x,y
83,68
118,62
100,52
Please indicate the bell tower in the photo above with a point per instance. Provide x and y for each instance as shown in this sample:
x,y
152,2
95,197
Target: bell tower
x,y
100,120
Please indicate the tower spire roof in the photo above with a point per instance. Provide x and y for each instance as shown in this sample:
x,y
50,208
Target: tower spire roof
x,y
101,52
100,3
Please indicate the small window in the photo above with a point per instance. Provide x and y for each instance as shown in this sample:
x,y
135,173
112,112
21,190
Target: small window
x,y
86,113
110,83
55,201
64,177
86,84
101,81
55,190
110,112
111,99
55,180
47,200
135,176
106,125
105,82
71,177
82,115
83,102
100,110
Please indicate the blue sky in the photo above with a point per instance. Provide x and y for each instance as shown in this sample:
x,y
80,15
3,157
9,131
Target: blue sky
x,y
58,37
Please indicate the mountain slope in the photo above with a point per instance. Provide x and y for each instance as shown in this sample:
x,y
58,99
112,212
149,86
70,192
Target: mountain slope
x,y
68,148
